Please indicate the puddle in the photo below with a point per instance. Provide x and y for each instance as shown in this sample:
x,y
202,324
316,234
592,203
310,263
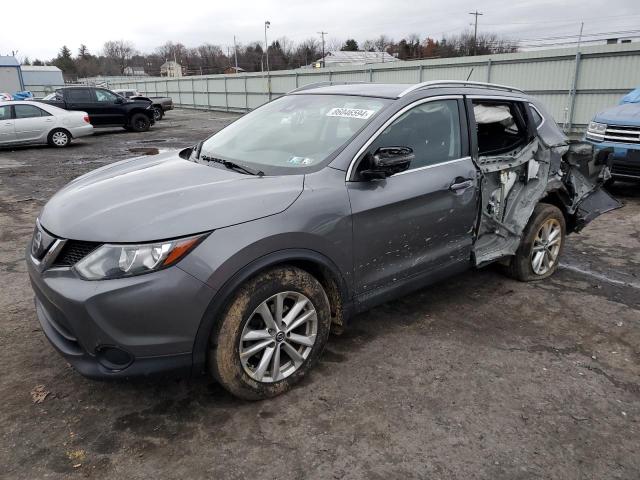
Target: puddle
x,y
9,163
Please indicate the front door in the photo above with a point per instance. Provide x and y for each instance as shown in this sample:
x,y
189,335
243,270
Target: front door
x,y
107,107
420,219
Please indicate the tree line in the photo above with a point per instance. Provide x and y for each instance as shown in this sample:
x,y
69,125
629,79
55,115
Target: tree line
x,y
283,53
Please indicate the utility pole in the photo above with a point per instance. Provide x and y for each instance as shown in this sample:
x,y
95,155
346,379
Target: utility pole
x,y
475,31
322,34
235,52
267,24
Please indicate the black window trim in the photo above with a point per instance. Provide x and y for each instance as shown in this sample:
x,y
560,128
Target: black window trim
x,y
15,115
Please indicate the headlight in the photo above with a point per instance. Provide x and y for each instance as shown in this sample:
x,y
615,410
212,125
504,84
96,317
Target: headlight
x,y
596,130
117,261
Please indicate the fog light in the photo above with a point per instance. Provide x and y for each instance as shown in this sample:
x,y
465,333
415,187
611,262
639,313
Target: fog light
x,y
113,358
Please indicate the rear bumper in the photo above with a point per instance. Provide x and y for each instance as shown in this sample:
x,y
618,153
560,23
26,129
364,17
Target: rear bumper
x,y
626,159
82,131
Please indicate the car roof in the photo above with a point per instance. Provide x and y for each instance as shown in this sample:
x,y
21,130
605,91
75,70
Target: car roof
x,y
396,90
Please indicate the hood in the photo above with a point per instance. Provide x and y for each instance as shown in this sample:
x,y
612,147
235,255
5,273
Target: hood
x,y
625,114
161,197
632,97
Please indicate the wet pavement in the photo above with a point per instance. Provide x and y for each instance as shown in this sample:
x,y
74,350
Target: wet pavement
x,y
476,377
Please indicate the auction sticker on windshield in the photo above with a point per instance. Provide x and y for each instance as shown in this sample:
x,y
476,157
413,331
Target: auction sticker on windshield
x,y
350,113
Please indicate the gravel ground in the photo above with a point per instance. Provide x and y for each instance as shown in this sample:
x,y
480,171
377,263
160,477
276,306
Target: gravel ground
x,y
476,377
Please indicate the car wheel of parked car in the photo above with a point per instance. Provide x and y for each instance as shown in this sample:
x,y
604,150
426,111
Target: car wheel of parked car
x,y
140,122
272,333
541,245
157,113
59,138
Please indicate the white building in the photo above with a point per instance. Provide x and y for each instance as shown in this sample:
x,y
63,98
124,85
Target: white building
x,y
134,72
42,75
171,69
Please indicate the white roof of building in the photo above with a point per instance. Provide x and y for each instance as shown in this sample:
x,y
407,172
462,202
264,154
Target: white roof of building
x,y
39,68
359,57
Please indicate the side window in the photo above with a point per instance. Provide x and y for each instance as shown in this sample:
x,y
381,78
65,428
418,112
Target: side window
x,y
501,127
105,96
535,114
29,111
80,95
5,112
431,130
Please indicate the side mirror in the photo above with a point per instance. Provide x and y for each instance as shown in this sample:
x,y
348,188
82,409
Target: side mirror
x,y
387,161
119,100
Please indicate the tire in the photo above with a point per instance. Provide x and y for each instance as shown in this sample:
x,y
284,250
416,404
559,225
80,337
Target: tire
x,y
540,250
139,122
158,113
59,138
243,330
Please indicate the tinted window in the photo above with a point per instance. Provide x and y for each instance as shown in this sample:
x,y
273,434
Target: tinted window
x,y
432,130
501,127
29,111
79,95
105,96
5,112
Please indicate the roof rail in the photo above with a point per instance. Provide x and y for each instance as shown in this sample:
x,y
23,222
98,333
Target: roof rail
x,y
440,83
323,84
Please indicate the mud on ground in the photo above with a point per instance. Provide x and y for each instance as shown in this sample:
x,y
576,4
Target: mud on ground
x,y
476,377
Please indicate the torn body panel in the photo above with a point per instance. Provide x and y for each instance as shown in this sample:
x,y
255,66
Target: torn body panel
x,y
549,168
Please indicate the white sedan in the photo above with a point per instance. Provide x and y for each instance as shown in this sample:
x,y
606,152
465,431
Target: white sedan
x,y
37,123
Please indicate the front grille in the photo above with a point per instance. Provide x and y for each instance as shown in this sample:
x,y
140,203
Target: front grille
x,y
615,133
74,251
626,169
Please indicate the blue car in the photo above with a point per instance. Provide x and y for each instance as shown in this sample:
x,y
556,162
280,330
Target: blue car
x,y
619,128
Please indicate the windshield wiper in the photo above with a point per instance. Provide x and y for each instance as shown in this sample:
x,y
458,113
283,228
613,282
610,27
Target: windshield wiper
x,y
198,148
232,165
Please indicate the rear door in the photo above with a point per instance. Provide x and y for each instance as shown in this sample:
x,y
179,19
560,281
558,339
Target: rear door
x,y
83,99
7,130
32,123
420,220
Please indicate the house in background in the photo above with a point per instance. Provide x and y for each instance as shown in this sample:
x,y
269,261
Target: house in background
x,y
10,75
171,69
45,76
339,58
234,70
134,72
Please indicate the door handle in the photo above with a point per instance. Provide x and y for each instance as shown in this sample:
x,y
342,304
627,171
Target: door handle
x,y
461,184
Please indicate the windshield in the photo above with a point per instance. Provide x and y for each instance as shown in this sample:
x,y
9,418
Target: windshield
x,y
293,132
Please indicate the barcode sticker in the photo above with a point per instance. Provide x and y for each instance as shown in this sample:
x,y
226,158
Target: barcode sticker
x,y
350,113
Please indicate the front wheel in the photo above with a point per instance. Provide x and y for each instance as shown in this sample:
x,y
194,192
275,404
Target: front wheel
x,y
271,335
541,245
140,122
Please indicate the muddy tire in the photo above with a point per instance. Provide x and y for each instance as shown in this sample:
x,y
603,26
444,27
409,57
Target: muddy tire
x,y
59,138
139,122
271,334
541,245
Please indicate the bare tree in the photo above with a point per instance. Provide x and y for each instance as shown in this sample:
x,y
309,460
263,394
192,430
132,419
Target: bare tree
x,y
119,51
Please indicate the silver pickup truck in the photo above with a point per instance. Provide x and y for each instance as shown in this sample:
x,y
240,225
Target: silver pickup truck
x,y
160,104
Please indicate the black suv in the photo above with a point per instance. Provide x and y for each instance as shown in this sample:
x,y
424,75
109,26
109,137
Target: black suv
x,y
105,108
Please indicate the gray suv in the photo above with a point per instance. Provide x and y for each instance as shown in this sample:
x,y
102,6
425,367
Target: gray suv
x,y
237,256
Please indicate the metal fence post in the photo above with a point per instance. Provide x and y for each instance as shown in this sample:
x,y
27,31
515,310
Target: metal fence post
x,y
489,71
370,74
296,79
207,90
246,95
179,93
420,73
193,92
572,94
226,95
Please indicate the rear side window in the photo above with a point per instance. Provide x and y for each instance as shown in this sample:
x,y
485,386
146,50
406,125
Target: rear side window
x,y
29,111
5,112
431,130
79,95
501,127
535,116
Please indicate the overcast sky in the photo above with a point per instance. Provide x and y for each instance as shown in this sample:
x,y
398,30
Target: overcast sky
x,y
147,24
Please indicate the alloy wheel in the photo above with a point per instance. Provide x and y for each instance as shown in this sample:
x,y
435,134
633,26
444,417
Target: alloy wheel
x,y
278,337
546,246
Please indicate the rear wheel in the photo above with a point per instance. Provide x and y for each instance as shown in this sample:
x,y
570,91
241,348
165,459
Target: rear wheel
x,y
158,113
59,138
541,245
271,335
140,122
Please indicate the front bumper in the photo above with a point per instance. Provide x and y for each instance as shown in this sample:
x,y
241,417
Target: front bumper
x,y
625,159
119,328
